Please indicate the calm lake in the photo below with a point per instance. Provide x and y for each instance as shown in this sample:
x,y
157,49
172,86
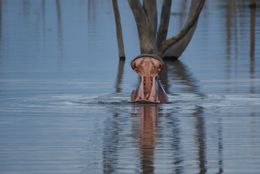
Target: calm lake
x,y
64,95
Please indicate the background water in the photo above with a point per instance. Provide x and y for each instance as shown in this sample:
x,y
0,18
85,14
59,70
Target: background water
x,y
64,96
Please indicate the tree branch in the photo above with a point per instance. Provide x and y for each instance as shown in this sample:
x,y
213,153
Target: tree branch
x,y
118,30
150,8
146,20
164,21
173,40
138,12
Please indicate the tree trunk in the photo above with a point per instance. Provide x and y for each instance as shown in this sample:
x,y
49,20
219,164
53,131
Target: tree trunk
x,y
121,50
147,41
146,21
252,3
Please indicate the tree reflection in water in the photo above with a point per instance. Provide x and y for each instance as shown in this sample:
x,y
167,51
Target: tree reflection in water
x,y
150,128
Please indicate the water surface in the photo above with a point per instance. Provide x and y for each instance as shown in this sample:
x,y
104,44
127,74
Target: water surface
x,y
64,96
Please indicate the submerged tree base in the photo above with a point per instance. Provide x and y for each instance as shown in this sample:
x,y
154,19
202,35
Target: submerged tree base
x,y
170,58
149,90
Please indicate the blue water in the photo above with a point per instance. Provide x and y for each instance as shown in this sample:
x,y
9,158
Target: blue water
x,y
64,96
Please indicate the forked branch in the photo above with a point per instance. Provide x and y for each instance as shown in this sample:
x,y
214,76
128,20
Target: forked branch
x,y
138,11
150,8
173,40
164,21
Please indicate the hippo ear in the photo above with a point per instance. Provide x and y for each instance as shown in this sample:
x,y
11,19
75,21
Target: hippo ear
x,y
133,66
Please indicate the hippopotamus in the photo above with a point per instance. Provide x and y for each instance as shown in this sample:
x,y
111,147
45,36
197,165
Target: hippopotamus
x,y
150,89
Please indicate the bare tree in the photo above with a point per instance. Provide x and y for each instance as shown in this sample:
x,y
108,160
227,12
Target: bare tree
x,y
153,41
